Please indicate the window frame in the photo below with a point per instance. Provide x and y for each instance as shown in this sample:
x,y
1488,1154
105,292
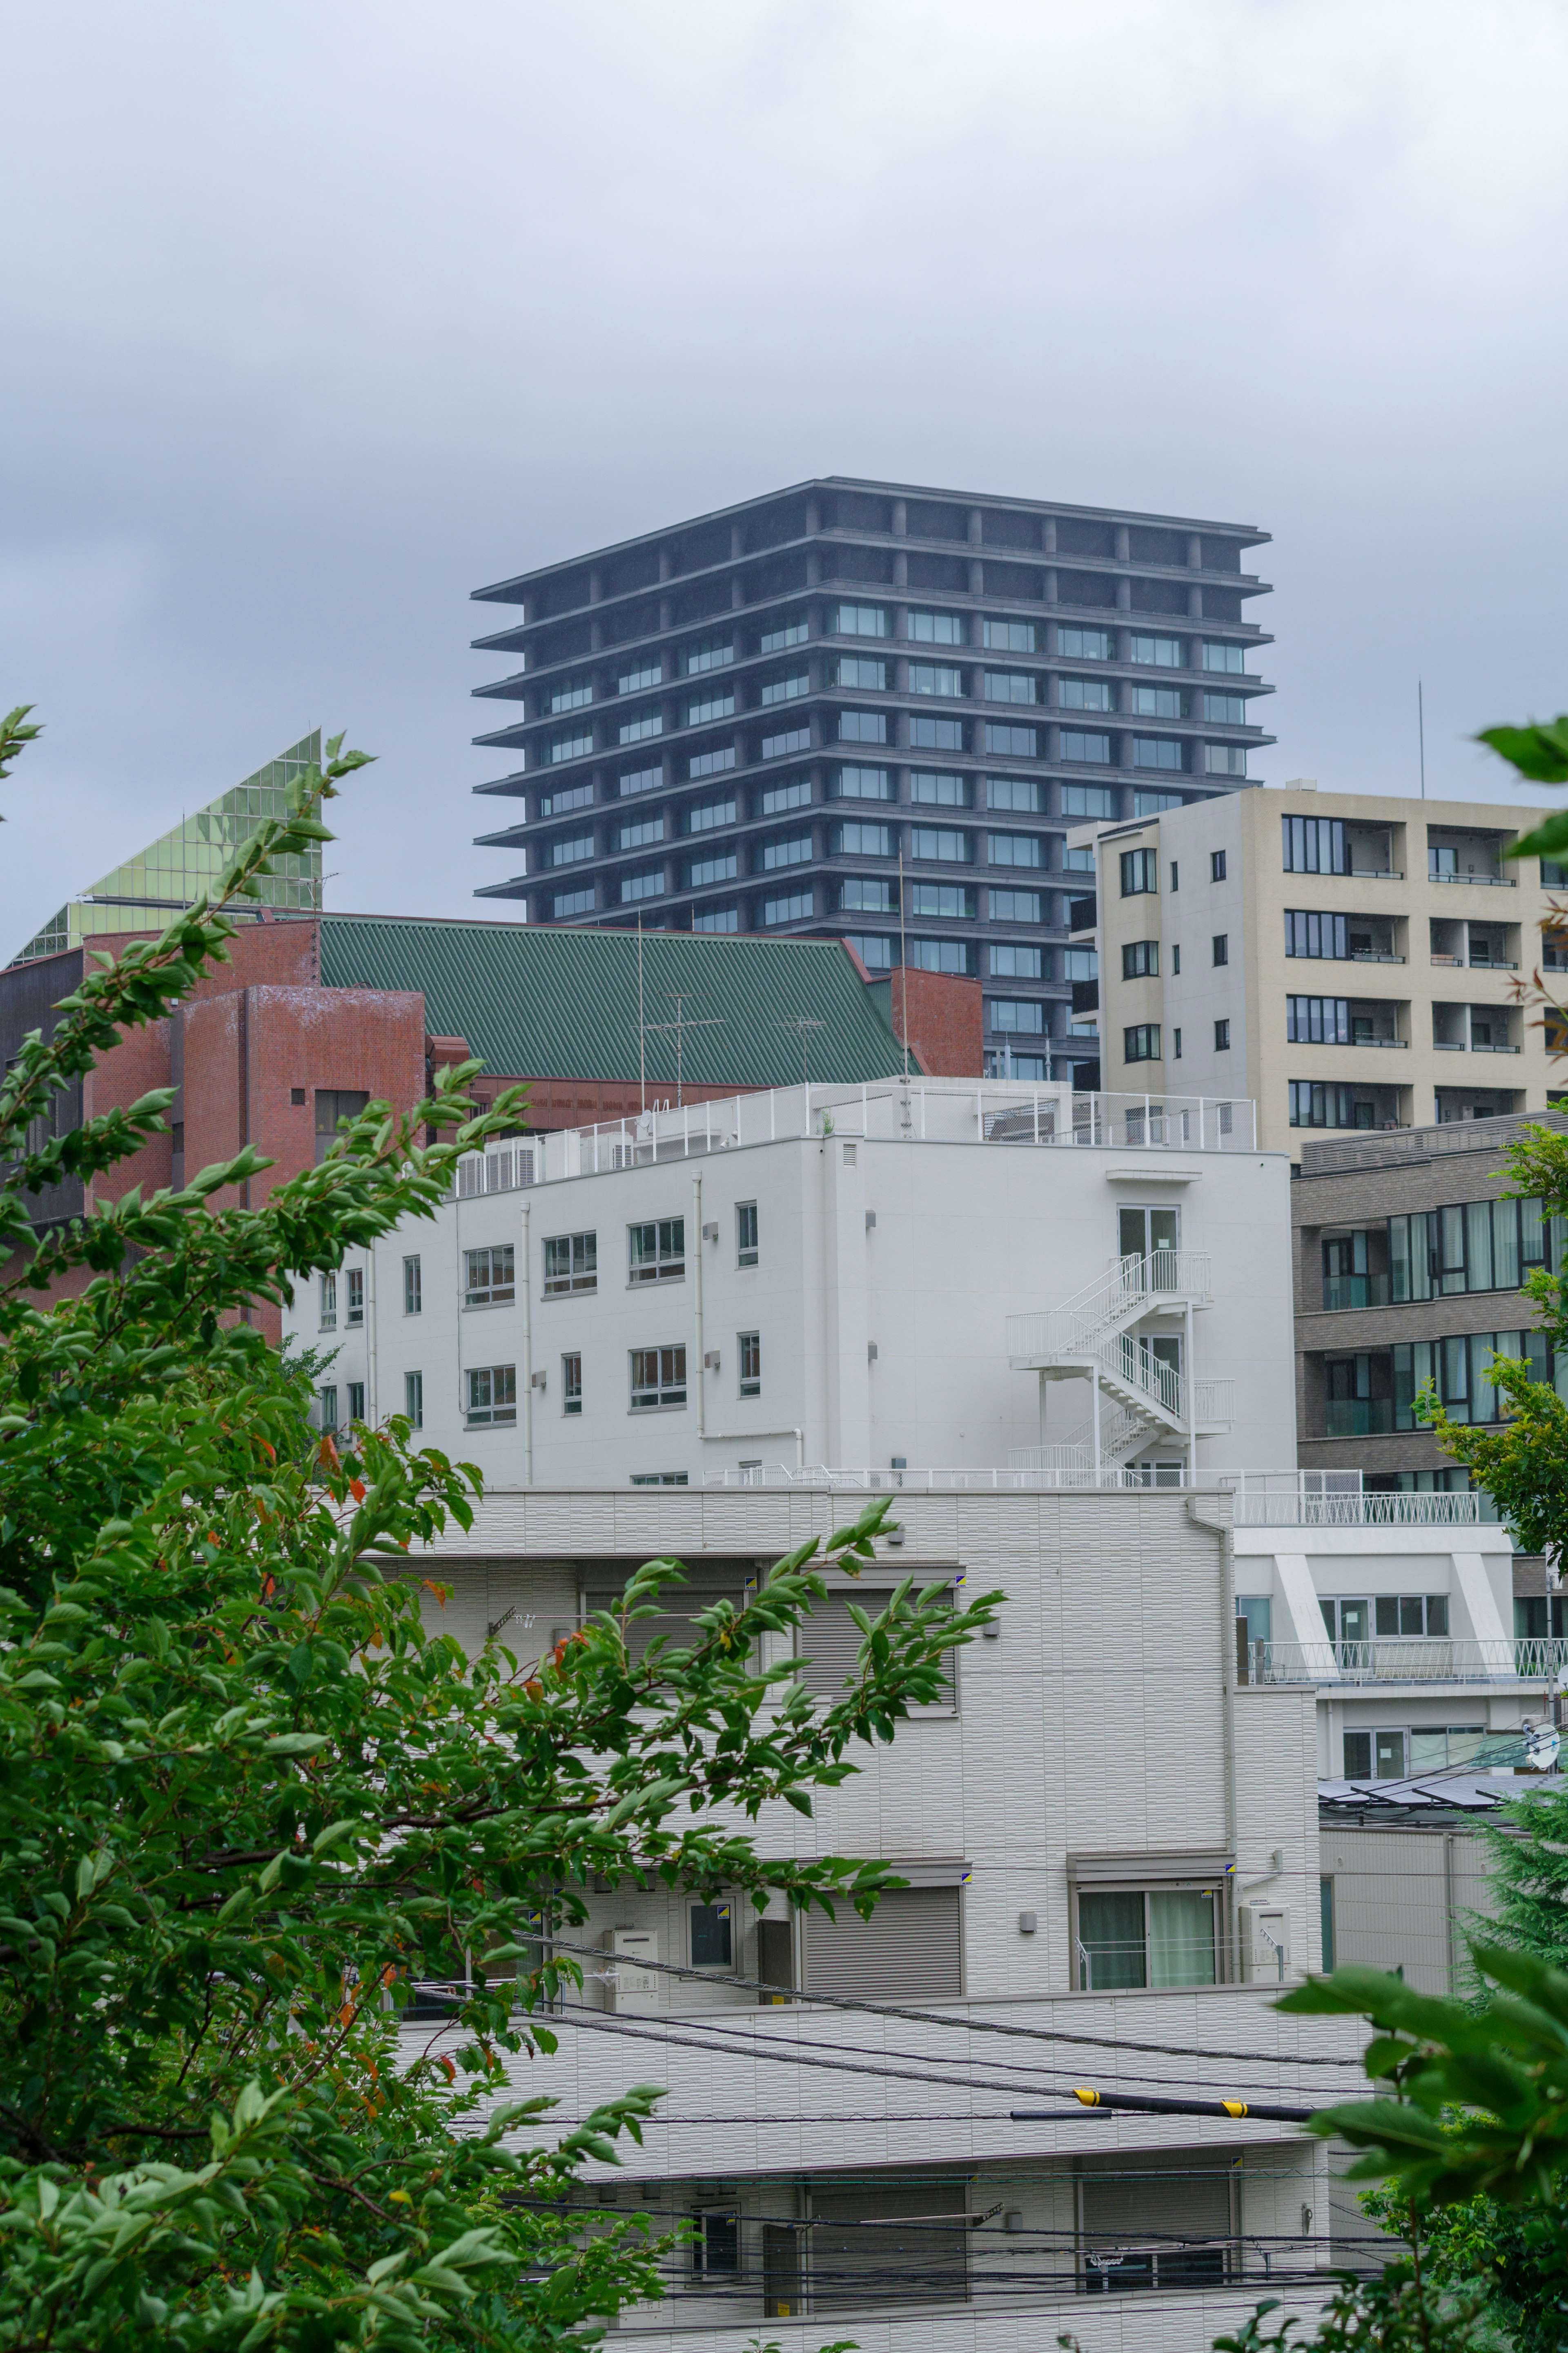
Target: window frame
x,y
747,1247
578,1279
498,1288
668,1389
413,1285
571,1382
493,1414
748,1358
666,1262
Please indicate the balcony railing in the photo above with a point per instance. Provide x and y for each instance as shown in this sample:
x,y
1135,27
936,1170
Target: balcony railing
x,y
1358,1417
1342,1290
1373,1509
1417,1659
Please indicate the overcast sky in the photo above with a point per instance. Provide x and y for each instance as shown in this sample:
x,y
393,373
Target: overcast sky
x,y
321,315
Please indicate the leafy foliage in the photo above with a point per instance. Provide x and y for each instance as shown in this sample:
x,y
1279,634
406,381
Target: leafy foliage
x,y
1402,2311
249,1798
1511,2262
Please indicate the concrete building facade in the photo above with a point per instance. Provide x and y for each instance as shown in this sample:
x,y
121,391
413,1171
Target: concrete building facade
x,y
1348,960
913,1273
873,711
1103,1835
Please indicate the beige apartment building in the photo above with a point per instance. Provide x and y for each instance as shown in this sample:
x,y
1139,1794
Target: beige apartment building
x,y
1345,961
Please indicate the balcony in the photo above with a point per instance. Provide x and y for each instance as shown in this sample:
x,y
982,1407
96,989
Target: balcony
x,y
1424,1659
1358,1417
1342,1290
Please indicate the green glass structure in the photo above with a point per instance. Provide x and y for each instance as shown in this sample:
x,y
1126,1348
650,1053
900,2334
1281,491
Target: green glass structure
x,y
141,894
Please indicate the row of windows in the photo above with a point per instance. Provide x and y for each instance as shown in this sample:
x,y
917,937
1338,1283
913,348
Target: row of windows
x,y
1440,1253
655,1253
871,673
1373,1392
855,781
921,732
1142,1042
991,632
1323,845
1139,873
657,1378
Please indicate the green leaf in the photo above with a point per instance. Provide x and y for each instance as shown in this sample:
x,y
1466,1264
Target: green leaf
x,y
1538,752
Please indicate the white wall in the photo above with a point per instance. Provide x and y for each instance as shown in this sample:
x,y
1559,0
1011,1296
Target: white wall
x,y
964,1233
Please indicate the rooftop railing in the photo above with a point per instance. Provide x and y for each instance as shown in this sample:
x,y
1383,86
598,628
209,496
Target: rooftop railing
x,y
917,1111
1419,1659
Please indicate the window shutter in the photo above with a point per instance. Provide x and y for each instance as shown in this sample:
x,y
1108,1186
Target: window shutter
x,y
1149,2219
889,2246
830,1641
911,1949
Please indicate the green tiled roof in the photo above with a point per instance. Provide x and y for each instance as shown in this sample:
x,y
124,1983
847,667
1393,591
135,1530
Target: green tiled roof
x,y
539,1003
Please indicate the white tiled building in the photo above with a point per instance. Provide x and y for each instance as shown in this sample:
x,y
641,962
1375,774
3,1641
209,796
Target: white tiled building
x,y
925,1272
1106,1840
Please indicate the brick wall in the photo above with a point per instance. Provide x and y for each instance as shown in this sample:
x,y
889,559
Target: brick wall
x,y
942,1019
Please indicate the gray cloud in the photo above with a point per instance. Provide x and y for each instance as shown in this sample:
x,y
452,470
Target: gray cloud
x,y
321,316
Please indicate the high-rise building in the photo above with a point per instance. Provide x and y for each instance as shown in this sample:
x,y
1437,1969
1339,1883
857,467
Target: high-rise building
x,y
874,711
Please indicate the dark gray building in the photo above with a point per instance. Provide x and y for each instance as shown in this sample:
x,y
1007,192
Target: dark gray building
x,y
867,710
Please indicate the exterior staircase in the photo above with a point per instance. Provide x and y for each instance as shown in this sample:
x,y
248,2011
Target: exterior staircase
x,y
1098,1336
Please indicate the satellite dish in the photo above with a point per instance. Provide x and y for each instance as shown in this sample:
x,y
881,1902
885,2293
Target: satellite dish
x,y
1543,1743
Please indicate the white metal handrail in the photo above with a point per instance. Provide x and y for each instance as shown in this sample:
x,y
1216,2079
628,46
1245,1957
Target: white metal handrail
x,y
1129,1287
1407,1660
1363,1511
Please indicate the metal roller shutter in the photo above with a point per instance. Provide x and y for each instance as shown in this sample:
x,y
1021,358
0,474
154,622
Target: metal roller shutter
x,y
911,1949
1172,2234
888,2247
828,1641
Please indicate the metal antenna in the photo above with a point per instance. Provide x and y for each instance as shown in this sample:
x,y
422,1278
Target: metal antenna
x,y
642,1029
1421,732
680,1025
903,972
802,1023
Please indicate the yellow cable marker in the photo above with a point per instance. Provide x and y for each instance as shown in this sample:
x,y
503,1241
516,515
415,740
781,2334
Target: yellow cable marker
x,y
1090,2099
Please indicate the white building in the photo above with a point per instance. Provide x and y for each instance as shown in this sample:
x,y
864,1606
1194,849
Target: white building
x,y
1111,1852
921,1272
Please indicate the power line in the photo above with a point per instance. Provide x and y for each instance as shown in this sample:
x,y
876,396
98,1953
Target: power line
x,y
794,1995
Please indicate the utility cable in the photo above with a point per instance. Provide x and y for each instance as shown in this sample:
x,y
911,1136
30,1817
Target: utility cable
x,y
791,1996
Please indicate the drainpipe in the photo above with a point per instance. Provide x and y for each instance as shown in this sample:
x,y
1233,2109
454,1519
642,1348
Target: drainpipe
x,y
697,1311
527,1354
1214,1513
1192,1403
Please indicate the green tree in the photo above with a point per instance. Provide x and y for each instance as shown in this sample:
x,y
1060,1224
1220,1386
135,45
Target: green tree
x,y
248,1798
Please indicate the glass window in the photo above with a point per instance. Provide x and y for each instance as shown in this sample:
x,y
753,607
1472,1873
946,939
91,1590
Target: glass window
x,y
710,653
797,794
639,780
1230,709
1010,686
1156,752
863,784
1087,800
659,1377
795,850
648,885
1140,959
1014,849
489,1276
719,702
934,629
492,1396
638,831
1020,743
936,789
1140,873
570,694
1018,1015
935,841
1225,759
329,1303
779,747
1311,933
656,1249
1010,637
856,621
861,841
572,1383
1220,945
782,635
1084,645
710,763
1217,656
1014,793
749,1346
574,743
722,866
1314,844
1222,1037
793,910
745,1233
567,852
1163,1937
327,1406
412,1287
860,895
354,1279
414,1398
1162,653
356,1400
786,689
1142,1042
645,671
1080,964
1009,961
860,669
1157,702
1077,745
1015,906
935,678
948,900
1317,1021
1148,803
708,813
940,955
570,1263
638,728
930,734
712,1950
1085,694
717,919
568,903
876,954
570,796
